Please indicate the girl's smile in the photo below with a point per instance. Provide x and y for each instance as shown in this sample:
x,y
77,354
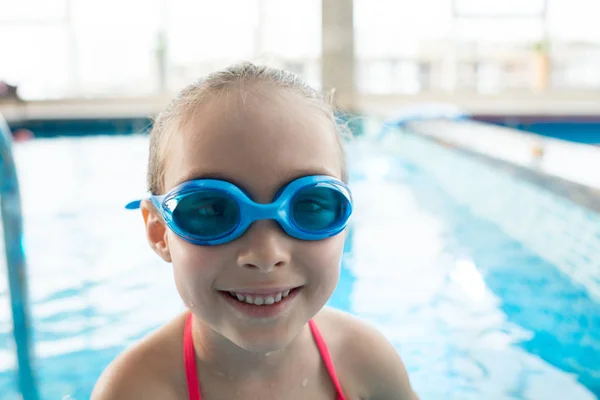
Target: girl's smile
x,y
263,304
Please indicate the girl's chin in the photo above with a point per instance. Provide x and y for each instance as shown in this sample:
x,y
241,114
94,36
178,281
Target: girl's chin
x,y
265,340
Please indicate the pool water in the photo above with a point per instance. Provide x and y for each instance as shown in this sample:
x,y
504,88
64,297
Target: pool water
x,y
476,309
579,132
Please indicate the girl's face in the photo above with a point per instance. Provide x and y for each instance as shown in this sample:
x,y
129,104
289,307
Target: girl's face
x,y
260,142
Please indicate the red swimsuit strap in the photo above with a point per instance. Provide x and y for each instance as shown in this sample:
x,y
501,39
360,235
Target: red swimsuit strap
x,y
189,359
322,346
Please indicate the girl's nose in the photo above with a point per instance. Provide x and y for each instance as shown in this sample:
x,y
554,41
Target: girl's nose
x,y
265,246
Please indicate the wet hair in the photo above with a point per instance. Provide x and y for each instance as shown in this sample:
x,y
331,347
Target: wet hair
x,y
182,108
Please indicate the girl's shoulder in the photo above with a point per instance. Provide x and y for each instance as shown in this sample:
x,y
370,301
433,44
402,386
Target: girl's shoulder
x,y
367,364
147,370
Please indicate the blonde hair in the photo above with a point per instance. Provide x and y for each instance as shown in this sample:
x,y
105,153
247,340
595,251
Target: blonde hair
x,y
182,108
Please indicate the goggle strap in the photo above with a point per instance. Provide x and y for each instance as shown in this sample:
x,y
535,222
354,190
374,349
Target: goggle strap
x,y
133,205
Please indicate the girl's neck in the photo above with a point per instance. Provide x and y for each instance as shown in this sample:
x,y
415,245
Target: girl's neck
x,y
225,359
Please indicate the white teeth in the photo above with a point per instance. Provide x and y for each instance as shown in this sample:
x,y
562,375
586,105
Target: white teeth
x,y
259,300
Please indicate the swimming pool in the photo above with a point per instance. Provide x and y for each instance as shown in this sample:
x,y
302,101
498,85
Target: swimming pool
x,y
482,299
573,129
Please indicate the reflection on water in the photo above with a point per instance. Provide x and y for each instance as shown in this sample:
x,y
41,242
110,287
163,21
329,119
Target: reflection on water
x,y
473,313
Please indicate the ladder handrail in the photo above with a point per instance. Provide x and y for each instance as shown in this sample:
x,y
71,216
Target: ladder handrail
x,y
12,226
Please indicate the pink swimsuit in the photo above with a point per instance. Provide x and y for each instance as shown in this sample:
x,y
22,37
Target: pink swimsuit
x,y
191,372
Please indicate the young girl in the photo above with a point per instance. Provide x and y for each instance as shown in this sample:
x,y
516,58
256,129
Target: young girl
x,y
249,204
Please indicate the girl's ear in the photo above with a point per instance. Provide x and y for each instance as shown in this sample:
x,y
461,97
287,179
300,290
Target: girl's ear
x,y
156,230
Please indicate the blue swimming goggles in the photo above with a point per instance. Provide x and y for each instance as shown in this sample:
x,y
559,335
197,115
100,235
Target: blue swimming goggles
x,y
209,212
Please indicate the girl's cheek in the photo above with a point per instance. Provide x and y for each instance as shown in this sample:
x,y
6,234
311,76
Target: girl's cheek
x,y
194,267
323,257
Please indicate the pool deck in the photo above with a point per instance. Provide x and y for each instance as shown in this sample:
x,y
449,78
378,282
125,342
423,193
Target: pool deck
x,y
579,104
564,166
570,169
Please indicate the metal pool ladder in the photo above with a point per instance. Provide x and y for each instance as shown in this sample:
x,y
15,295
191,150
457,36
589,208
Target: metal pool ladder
x,y
12,227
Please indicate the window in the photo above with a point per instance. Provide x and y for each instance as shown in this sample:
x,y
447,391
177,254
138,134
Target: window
x,y
36,58
574,21
494,8
43,11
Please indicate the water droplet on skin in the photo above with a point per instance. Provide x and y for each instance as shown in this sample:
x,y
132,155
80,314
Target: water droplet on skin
x,y
269,353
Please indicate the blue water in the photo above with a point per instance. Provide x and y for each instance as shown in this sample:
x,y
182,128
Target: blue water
x,y
561,317
474,312
579,132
